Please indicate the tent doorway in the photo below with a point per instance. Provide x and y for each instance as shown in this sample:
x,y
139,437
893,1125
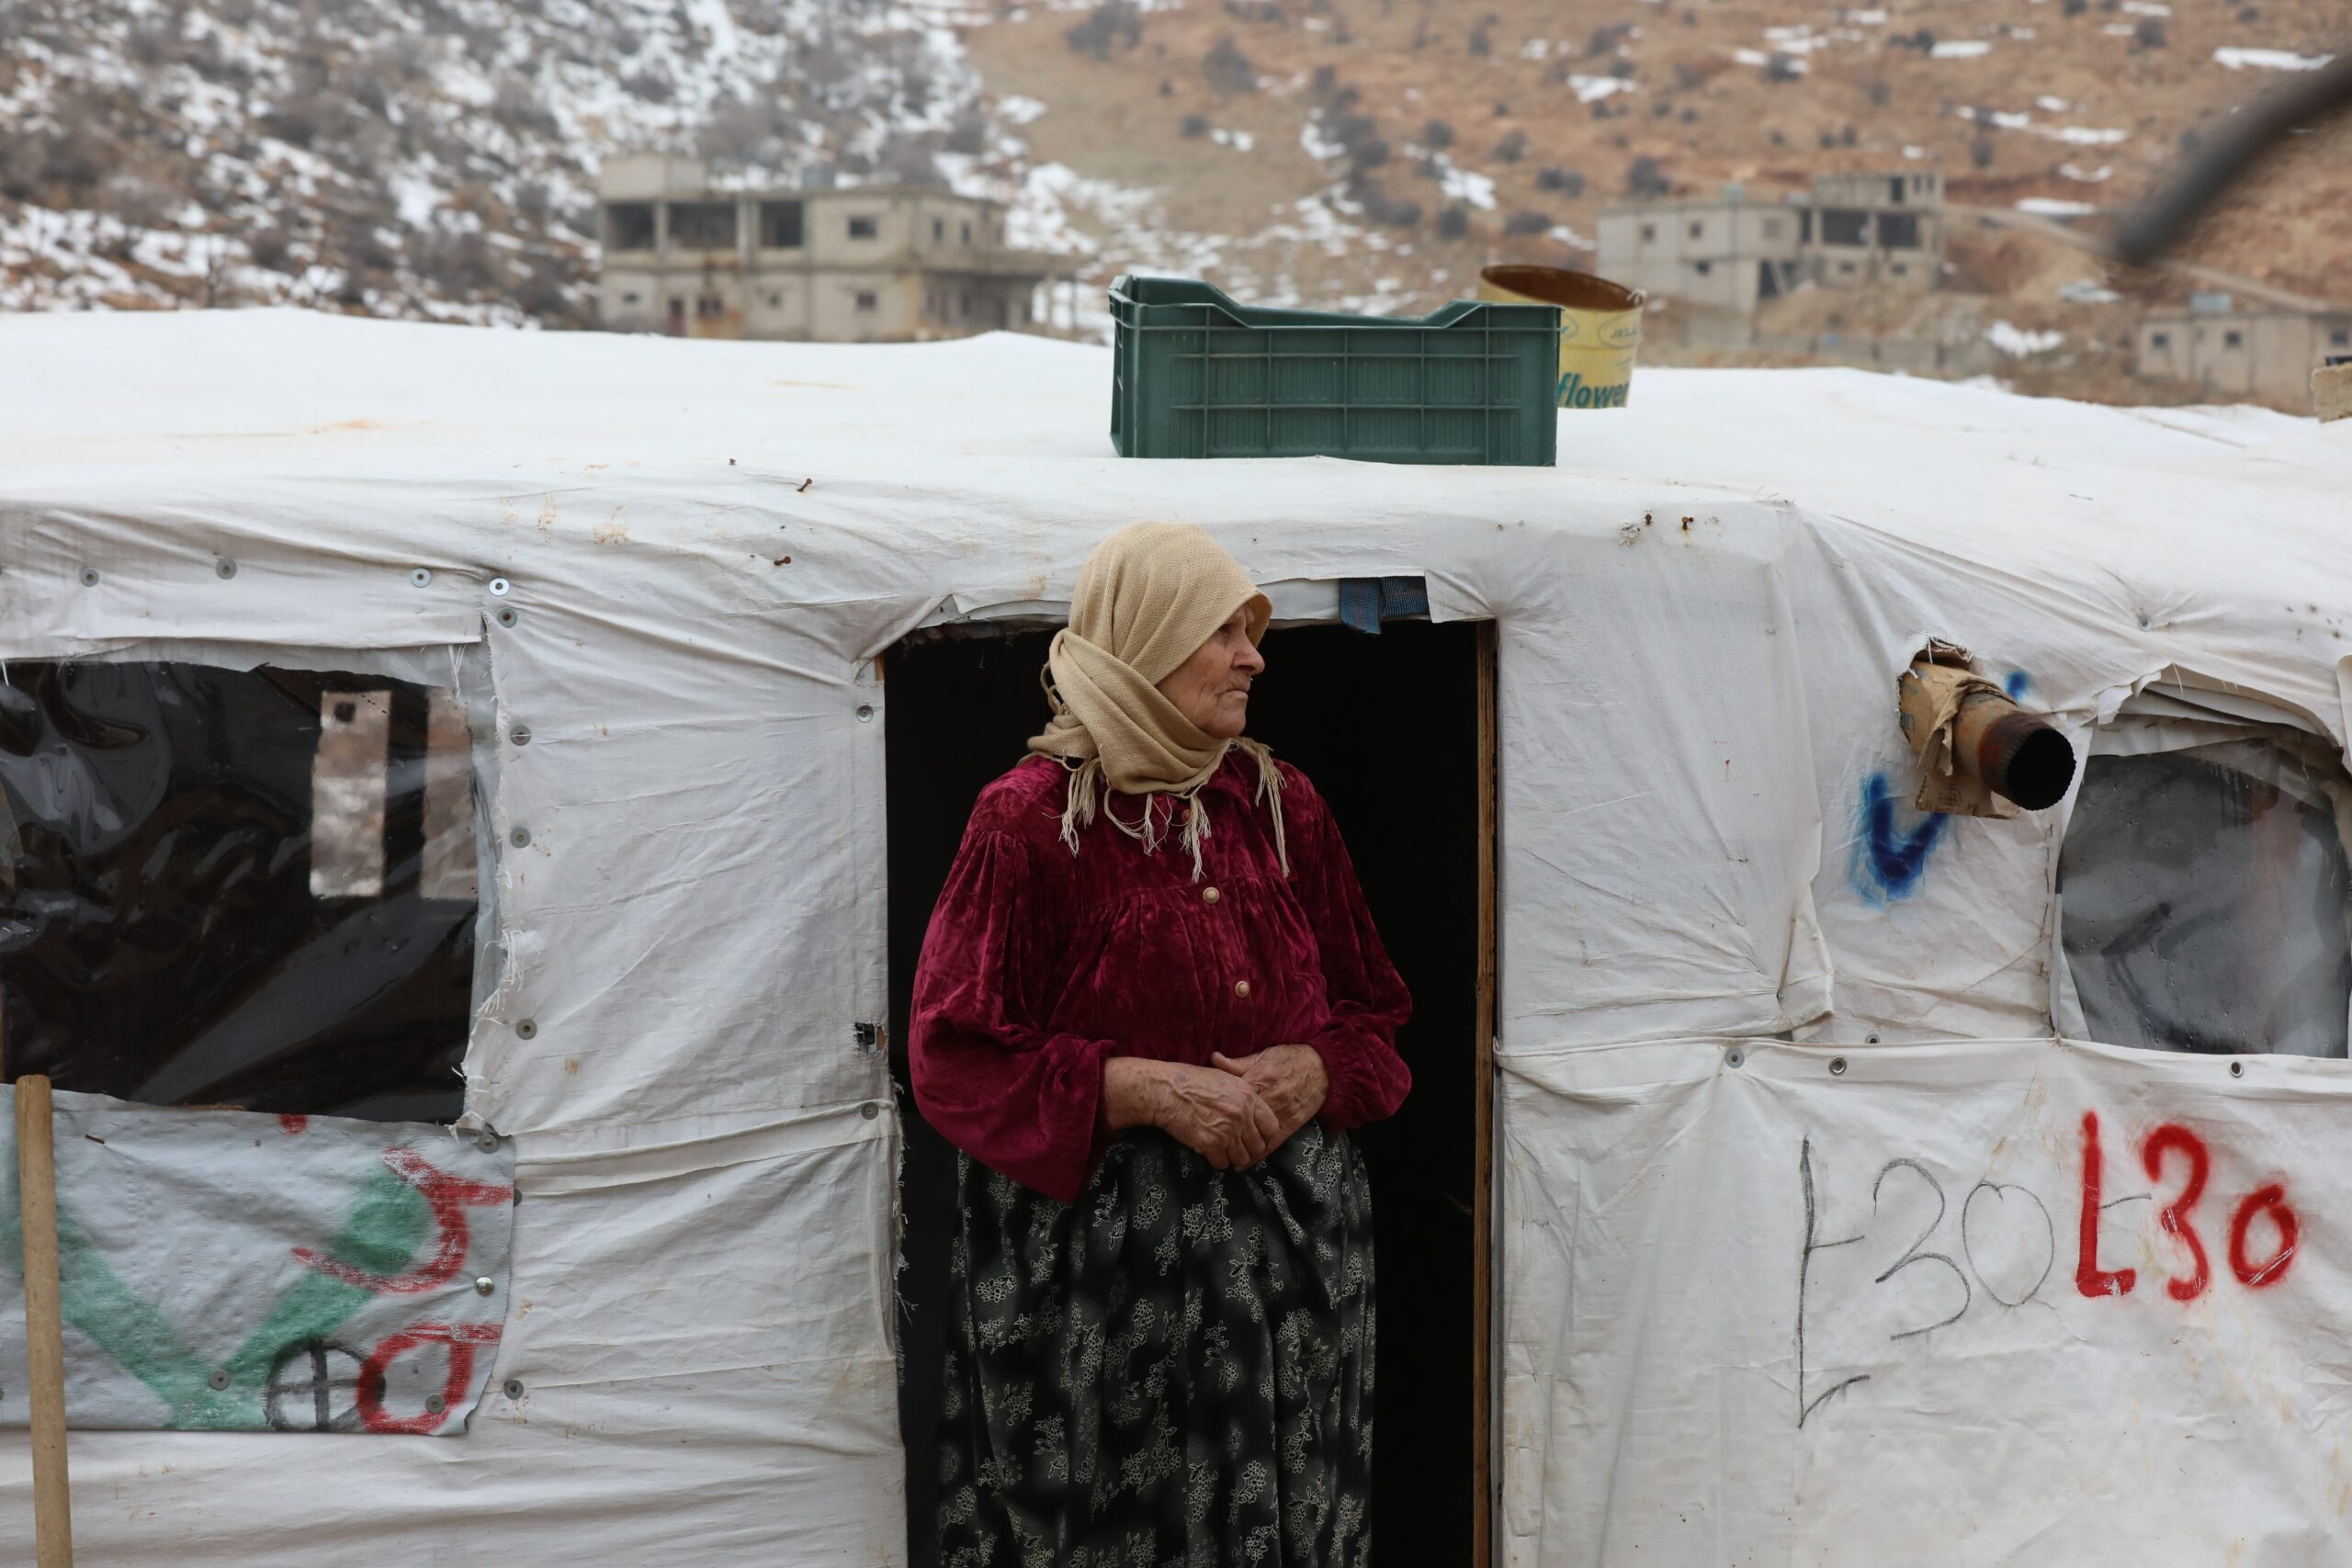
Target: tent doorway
x,y
1396,731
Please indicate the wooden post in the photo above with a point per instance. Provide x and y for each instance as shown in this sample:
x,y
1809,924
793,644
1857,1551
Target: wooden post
x,y
44,1327
1482,1187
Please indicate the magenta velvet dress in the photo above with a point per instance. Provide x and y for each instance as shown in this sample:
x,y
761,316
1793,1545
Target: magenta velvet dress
x,y
1040,963
1151,1361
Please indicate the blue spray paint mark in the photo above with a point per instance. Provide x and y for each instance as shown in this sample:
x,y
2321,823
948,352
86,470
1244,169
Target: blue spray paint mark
x,y
1888,862
2017,685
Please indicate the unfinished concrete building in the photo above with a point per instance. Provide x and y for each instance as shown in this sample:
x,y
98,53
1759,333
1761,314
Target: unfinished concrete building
x,y
2268,353
869,263
1882,231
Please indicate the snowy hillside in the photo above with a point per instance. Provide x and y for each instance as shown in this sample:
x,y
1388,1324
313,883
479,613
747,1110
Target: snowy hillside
x,y
428,158
435,158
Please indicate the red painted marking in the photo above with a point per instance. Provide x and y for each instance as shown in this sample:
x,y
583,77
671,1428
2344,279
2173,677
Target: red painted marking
x,y
294,1124
2089,1278
2272,1197
2175,1217
462,1338
450,1196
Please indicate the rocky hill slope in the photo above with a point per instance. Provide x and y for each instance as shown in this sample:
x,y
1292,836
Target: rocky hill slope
x,y
435,157
417,157
1375,154
1505,125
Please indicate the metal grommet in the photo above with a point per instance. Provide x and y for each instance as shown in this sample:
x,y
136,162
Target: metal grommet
x,y
1869,1039
527,1030
420,578
224,567
2237,1069
435,1404
498,587
89,577
506,618
520,838
866,713
1735,1057
486,1140
1836,1067
520,735
512,1388
485,1285
219,1380
869,1110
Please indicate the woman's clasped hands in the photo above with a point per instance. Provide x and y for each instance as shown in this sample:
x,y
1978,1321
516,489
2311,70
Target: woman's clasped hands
x,y
1233,1112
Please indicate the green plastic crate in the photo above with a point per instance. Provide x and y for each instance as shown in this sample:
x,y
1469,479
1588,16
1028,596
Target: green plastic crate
x,y
1196,375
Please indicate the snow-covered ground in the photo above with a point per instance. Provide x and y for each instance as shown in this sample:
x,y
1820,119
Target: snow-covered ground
x,y
2270,59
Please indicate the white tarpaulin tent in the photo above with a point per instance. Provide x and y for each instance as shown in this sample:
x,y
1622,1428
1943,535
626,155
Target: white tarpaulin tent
x,y
1757,1307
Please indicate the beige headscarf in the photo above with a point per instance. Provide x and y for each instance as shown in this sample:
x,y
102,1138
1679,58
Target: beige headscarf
x,y
1146,599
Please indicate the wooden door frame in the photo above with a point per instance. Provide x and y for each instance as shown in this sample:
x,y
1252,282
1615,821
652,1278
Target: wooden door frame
x,y
1485,1296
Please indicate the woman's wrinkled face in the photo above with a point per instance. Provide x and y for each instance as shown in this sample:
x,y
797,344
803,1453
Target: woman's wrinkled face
x,y
1212,688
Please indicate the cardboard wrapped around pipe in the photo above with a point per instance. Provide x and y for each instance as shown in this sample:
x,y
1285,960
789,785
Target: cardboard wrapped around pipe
x,y
1982,754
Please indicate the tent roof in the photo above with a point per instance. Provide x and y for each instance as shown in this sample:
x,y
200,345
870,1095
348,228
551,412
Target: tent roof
x,y
214,404
974,473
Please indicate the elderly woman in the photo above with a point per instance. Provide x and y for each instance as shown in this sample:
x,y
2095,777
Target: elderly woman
x,y
1150,1005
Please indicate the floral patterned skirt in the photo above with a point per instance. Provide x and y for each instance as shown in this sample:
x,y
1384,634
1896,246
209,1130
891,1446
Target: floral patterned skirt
x,y
1174,1372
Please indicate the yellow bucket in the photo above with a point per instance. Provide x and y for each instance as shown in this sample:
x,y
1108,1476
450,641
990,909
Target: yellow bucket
x,y
1600,327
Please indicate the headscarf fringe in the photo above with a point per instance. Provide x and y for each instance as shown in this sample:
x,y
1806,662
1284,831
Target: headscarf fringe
x,y
1089,794
1270,794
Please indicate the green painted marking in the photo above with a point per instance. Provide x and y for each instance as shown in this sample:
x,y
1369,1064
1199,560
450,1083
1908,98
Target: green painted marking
x,y
381,1237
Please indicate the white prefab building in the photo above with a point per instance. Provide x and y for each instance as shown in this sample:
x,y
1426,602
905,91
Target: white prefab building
x,y
1798,1176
